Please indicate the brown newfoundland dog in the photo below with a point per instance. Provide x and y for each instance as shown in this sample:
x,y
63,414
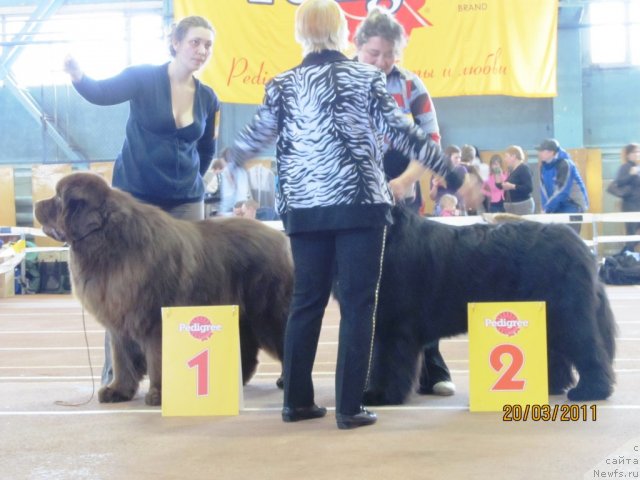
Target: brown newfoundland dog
x,y
128,260
431,272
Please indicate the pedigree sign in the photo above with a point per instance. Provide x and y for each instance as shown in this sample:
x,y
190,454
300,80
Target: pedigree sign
x,y
456,47
201,361
507,355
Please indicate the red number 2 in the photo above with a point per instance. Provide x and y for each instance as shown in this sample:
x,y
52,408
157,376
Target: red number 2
x,y
201,362
506,380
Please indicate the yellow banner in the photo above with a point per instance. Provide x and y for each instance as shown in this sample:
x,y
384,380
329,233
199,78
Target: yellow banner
x,y
490,47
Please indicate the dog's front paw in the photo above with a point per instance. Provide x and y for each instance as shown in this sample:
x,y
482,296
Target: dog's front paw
x,y
554,390
153,397
111,395
584,393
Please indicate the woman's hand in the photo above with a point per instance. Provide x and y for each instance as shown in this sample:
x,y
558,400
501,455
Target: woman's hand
x,y
218,165
402,184
399,188
72,67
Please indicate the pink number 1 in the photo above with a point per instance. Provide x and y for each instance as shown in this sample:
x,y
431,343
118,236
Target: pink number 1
x,y
506,381
201,362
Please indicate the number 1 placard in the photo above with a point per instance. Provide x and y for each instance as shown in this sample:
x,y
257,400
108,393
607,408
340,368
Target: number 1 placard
x,y
507,355
200,361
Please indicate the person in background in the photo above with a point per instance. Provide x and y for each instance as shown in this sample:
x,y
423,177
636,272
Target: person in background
x,y
481,167
562,189
492,187
213,188
234,188
439,186
333,199
246,208
448,205
380,40
468,155
628,180
170,134
518,186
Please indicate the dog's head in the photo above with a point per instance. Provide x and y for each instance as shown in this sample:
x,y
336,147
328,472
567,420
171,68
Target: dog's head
x,y
76,210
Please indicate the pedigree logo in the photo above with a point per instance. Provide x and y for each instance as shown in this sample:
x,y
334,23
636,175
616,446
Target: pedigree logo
x,y
405,11
506,323
200,328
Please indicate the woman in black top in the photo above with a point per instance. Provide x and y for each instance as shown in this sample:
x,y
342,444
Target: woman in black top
x,y
328,117
628,179
518,185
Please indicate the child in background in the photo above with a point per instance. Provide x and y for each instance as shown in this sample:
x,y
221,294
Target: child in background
x,y
448,205
492,187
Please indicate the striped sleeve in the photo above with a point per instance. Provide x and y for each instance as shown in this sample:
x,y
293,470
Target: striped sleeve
x,y
260,132
404,135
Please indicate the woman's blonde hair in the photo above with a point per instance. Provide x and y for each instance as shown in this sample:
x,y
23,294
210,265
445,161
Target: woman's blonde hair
x,y
516,151
321,25
448,201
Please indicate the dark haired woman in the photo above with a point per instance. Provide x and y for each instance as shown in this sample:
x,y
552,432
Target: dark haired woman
x,y
169,141
170,134
628,179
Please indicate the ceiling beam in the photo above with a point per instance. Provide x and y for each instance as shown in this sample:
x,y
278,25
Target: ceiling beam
x,y
44,11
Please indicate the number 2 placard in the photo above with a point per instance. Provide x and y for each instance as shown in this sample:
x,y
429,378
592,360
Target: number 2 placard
x,y
507,355
200,361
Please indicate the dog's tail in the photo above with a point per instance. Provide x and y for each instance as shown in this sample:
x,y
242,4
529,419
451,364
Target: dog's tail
x,y
606,322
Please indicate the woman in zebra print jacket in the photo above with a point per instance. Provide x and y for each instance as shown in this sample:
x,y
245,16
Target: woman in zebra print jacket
x,y
329,117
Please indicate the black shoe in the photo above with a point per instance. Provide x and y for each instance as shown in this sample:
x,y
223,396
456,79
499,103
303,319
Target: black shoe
x,y
361,419
290,414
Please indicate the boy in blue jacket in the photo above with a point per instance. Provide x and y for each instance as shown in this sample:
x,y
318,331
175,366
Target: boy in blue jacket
x,y
562,189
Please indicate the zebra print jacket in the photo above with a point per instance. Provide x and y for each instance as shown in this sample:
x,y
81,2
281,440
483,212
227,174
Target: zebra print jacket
x,y
329,117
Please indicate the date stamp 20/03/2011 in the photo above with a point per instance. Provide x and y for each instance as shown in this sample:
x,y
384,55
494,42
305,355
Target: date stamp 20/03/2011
x,y
549,413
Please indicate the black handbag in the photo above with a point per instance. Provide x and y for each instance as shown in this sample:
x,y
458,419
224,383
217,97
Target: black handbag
x,y
616,190
54,277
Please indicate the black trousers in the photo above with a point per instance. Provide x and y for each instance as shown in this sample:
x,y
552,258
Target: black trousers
x,y
632,229
433,368
357,255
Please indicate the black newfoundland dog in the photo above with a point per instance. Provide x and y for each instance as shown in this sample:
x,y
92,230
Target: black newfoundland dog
x,y
128,260
432,271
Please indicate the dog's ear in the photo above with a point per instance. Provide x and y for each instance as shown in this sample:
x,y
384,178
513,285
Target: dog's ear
x,y
80,218
82,198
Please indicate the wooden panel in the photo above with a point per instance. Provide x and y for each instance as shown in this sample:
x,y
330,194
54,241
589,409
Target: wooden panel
x,y
7,197
43,185
594,179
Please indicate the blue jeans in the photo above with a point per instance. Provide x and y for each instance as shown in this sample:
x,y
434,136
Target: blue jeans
x,y
572,208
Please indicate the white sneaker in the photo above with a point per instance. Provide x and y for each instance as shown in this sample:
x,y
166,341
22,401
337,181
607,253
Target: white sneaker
x,y
444,389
